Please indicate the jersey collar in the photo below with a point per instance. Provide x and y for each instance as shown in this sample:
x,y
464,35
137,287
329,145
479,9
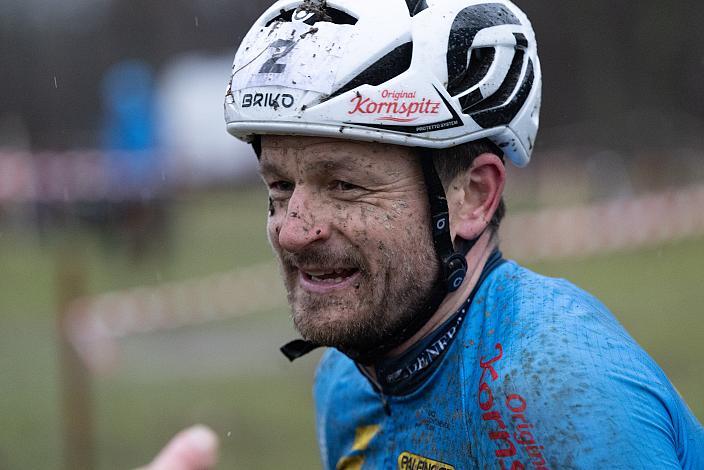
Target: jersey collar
x,y
405,373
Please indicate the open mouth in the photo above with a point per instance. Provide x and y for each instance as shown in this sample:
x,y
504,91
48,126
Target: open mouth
x,y
325,280
329,277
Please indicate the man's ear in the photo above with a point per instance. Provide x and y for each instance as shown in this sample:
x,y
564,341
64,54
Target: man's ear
x,y
473,196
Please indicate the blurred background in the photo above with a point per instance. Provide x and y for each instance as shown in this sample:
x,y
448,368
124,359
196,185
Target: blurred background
x,y
137,291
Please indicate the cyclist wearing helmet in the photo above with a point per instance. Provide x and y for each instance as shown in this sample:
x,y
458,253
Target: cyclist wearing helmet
x,y
381,130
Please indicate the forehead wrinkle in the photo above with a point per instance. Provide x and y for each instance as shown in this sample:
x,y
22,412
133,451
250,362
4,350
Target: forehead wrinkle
x,y
330,159
300,142
324,155
332,164
323,147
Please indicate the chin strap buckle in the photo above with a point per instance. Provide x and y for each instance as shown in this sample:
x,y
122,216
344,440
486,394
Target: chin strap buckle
x,y
455,271
297,348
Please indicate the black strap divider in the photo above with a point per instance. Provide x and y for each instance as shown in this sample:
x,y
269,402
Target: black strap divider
x,y
454,264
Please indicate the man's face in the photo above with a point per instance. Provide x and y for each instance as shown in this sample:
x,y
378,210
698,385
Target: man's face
x,y
349,222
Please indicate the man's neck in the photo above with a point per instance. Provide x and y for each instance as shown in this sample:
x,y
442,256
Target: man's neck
x,y
476,259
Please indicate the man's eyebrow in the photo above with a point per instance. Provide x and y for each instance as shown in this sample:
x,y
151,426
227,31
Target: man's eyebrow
x,y
334,165
268,168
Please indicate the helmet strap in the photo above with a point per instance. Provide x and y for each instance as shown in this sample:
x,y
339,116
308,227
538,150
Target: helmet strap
x,y
257,146
452,263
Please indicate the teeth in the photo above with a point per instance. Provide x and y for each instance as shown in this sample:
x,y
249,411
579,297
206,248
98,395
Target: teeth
x,y
320,273
327,273
330,280
329,276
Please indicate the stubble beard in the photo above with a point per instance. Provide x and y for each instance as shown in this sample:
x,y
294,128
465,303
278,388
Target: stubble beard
x,y
383,300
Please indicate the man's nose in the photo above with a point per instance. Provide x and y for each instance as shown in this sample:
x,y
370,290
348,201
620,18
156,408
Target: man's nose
x,y
304,223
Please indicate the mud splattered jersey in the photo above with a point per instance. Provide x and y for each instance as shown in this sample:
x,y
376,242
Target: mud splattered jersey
x,y
532,373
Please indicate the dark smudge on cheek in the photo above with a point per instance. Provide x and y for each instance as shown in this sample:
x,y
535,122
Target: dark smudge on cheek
x,y
272,211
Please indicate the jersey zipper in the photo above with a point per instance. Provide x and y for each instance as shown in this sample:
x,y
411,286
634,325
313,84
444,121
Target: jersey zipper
x,y
377,388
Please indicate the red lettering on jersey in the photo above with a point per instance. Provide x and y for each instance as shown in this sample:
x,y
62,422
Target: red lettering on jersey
x,y
487,365
507,440
489,402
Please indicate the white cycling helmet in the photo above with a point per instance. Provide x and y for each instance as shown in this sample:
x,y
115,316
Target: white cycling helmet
x,y
421,73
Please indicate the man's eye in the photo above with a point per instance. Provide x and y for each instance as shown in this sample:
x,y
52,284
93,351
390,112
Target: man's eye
x,y
281,186
344,186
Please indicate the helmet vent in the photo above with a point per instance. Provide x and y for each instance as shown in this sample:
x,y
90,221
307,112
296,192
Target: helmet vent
x,y
416,6
465,27
480,61
507,87
320,13
340,17
389,66
285,16
503,113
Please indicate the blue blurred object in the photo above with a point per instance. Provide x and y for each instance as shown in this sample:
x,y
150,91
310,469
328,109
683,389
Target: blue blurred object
x,y
129,128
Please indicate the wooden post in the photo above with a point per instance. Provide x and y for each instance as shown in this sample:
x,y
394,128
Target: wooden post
x,y
74,377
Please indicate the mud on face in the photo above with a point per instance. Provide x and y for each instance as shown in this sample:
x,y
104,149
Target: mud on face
x,y
349,209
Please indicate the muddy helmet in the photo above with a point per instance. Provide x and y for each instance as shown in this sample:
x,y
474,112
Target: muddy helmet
x,y
428,74
421,73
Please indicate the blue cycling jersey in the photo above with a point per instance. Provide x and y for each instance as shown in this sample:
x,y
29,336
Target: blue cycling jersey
x,y
531,372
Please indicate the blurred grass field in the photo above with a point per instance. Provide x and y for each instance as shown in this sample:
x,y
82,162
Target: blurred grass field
x,y
258,403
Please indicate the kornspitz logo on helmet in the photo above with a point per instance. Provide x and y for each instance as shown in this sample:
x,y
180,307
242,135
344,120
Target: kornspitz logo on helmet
x,y
395,106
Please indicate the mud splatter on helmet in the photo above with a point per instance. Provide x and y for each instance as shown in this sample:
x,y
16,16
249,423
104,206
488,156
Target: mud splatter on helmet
x,y
419,73
429,74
